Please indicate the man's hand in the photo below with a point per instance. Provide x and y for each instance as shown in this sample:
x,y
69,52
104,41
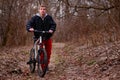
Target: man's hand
x,y
50,31
31,29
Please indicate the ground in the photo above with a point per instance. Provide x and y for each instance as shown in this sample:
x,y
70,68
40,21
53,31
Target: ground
x,y
68,62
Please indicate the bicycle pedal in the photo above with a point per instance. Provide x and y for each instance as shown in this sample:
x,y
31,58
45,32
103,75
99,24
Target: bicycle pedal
x,y
33,61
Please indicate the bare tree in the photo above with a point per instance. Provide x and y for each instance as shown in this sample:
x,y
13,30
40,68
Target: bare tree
x,y
75,18
12,21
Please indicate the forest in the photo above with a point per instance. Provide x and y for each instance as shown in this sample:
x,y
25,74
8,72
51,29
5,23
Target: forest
x,y
86,21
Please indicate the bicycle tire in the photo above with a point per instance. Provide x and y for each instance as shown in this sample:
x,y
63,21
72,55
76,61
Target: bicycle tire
x,y
32,65
42,62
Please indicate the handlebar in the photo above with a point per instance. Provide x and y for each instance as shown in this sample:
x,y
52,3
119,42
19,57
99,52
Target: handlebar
x,y
41,31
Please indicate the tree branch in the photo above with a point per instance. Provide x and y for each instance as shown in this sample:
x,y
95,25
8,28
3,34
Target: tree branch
x,y
97,8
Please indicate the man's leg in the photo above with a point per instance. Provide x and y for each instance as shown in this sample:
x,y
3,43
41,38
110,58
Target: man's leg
x,y
48,47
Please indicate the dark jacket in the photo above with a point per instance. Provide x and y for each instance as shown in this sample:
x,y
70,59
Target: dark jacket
x,y
37,23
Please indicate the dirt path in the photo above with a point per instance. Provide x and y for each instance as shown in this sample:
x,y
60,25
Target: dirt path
x,y
13,64
67,63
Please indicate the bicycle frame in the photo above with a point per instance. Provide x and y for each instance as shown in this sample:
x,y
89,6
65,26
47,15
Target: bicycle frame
x,y
38,44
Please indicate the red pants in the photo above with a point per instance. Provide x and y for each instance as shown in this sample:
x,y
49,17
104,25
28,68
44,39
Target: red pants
x,y
48,48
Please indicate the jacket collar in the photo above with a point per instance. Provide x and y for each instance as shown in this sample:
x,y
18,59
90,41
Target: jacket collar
x,y
40,16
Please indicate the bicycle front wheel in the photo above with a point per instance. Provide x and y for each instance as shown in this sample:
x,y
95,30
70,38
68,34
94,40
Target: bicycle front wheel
x,y
42,62
32,60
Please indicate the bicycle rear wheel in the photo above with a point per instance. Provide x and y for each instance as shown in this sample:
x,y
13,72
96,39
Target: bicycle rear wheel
x,y
32,60
42,62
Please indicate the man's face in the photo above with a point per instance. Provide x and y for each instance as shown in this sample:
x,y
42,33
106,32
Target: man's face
x,y
42,11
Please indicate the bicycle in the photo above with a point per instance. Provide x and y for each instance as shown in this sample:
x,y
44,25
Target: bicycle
x,y
38,55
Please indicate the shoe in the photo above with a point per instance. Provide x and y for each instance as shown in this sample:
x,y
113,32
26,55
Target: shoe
x,y
31,61
47,69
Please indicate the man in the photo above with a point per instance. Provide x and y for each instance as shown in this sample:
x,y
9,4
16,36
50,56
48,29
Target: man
x,y
43,22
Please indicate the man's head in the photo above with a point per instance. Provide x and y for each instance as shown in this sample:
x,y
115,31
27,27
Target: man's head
x,y
42,10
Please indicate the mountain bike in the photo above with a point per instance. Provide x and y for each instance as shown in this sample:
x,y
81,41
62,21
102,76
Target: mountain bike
x,y
38,55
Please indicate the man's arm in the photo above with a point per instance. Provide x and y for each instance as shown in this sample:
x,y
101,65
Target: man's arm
x,y
30,24
53,26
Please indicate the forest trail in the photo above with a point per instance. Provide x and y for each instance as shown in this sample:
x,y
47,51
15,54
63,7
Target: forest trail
x,y
67,63
13,63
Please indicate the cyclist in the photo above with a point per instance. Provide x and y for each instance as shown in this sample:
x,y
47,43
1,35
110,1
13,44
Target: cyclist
x,y
42,22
